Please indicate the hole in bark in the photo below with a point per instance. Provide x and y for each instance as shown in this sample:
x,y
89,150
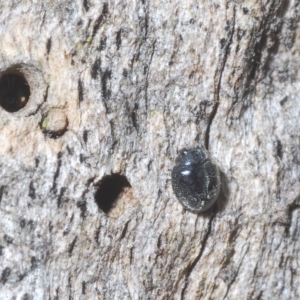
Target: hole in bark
x,y
14,90
111,189
54,123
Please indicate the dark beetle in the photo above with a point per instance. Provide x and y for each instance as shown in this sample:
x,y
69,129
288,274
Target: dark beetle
x,y
195,179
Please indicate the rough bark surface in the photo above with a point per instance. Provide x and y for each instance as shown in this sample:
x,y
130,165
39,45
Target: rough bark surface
x,y
118,87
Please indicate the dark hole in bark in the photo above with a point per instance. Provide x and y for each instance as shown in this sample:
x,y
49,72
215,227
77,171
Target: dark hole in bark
x,y
14,91
109,190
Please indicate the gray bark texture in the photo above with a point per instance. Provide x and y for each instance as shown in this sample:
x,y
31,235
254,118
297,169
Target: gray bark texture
x,y
117,88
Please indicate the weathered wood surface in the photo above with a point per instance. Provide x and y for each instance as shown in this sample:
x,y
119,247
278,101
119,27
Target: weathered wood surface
x,y
126,84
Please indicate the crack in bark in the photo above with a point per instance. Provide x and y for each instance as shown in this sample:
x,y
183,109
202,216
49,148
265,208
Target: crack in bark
x,y
100,19
72,245
48,45
147,75
124,231
235,276
80,89
196,260
217,88
294,206
40,105
97,233
54,185
1,192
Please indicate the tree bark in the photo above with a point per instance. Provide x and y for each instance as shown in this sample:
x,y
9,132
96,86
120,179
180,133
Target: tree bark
x,y
117,88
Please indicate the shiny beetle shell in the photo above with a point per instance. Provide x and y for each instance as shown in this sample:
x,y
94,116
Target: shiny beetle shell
x,y
195,179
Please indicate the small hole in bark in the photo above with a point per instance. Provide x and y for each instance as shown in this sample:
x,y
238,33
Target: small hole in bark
x,y
54,123
111,189
14,90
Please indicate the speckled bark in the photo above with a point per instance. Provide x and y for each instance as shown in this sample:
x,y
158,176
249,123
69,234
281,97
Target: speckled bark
x,y
120,87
